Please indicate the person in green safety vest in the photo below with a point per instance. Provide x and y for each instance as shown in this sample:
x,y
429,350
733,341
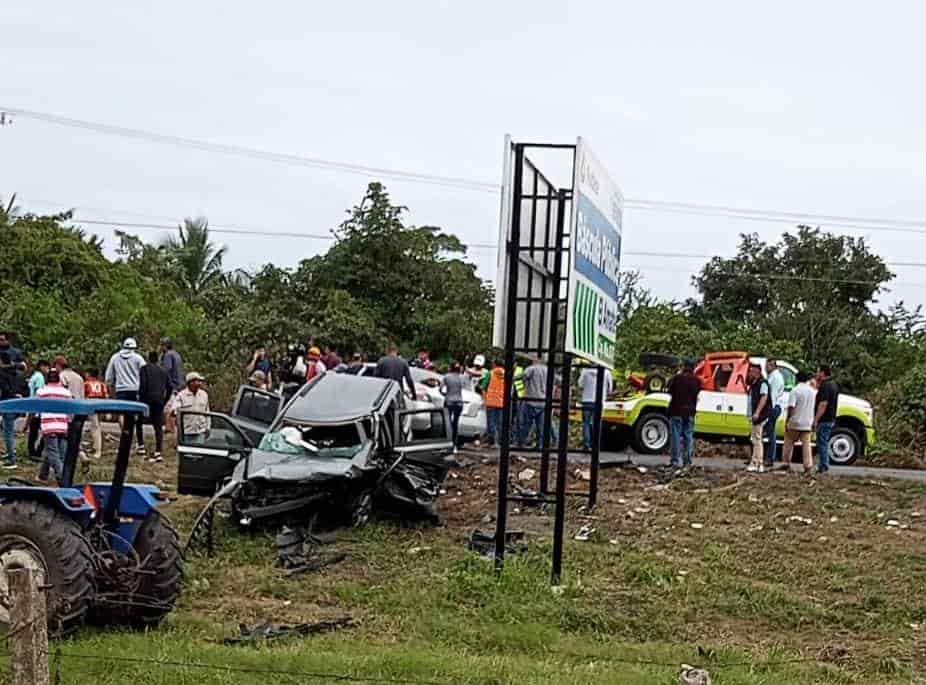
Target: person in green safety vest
x,y
518,380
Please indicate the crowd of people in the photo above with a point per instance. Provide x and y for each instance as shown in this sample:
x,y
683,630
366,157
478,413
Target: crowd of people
x,y
809,409
157,381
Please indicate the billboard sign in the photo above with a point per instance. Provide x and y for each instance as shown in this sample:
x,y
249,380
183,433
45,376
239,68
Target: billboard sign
x,y
597,218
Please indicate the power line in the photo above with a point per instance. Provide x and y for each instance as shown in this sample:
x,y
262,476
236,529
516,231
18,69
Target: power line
x,y
328,237
915,226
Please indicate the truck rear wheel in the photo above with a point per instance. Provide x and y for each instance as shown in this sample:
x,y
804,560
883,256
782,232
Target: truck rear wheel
x,y
37,536
651,434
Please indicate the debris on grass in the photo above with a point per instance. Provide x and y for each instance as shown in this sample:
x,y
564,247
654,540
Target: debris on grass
x,y
484,543
298,551
584,533
693,676
275,631
800,519
697,526
893,523
527,475
583,474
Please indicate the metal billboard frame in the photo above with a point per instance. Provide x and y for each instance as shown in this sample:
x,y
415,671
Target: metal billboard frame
x,y
530,318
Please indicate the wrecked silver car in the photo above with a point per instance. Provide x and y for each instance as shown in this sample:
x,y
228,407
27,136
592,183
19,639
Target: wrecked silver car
x,y
341,447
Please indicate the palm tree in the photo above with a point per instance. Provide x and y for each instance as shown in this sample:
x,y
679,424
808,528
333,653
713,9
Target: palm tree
x,y
198,261
9,212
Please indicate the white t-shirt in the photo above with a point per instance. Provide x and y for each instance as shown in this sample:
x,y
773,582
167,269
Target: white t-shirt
x,y
802,400
588,380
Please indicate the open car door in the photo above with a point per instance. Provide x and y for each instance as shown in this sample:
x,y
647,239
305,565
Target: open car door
x,y
208,448
423,458
254,410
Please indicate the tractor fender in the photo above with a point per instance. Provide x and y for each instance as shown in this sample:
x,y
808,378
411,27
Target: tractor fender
x,y
68,501
136,501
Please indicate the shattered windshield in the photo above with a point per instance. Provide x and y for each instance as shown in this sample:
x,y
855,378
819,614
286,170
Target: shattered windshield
x,y
333,442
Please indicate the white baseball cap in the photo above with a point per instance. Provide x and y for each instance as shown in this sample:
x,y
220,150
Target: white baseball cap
x,y
479,360
130,344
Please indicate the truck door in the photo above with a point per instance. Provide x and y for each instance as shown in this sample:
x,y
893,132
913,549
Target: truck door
x,y
736,402
208,448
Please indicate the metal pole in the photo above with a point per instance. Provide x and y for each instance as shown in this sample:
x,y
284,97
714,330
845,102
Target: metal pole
x,y
504,454
596,437
72,455
559,521
111,506
554,334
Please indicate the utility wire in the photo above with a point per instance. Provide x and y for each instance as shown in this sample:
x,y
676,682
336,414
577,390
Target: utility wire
x,y
916,226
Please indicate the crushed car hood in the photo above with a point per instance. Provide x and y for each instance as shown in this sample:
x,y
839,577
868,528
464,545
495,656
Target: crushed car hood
x,y
297,468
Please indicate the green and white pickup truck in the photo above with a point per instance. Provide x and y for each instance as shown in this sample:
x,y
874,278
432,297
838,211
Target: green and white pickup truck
x,y
642,421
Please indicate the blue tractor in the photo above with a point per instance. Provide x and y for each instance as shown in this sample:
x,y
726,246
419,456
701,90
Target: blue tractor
x,y
103,551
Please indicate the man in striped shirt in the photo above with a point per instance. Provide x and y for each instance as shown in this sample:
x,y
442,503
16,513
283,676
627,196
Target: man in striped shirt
x,y
54,427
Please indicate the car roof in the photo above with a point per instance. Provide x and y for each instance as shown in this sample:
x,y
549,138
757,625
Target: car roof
x,y
339,397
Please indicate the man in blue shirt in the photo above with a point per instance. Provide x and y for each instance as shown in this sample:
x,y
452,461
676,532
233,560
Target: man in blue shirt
x,y
776,391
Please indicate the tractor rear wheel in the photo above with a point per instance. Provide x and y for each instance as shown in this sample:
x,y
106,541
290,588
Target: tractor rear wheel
x,y
53,545
158,547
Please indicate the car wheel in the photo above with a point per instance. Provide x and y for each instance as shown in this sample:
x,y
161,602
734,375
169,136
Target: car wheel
x,y
845,446
651,434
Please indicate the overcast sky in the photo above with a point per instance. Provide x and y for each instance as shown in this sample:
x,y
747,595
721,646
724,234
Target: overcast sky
x,y
807,107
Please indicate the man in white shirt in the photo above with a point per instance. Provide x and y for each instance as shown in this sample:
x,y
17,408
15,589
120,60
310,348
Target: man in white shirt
x,y
193,403
588,381
799,425
776,389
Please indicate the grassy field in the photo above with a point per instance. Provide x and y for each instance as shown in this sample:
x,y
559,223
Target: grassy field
x,y
707,570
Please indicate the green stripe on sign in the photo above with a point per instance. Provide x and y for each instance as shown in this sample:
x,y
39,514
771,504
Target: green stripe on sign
x,y
592,315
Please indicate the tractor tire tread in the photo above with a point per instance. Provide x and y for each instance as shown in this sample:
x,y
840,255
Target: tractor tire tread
x,y
67,556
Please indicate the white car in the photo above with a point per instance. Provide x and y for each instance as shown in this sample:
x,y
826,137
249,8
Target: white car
x,y
428,396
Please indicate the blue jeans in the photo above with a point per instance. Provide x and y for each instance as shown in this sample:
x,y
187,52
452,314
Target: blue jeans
x,y
588,422
454,409
682,429
56,448
771,437
532,417
9,428
494,421
824,430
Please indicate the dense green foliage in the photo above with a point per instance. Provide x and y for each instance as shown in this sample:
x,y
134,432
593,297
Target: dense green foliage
x,y
811,298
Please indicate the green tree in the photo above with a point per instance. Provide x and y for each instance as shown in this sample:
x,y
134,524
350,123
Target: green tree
x,y
814,288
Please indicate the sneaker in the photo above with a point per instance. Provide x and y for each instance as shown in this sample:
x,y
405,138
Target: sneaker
x,y
157,458
10,466
140,450
760,469
752,468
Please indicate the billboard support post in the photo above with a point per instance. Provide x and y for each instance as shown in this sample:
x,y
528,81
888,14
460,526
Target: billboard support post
x,y
504,457
556,295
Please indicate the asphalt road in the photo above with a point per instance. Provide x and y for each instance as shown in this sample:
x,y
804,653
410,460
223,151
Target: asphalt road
x,y
612,458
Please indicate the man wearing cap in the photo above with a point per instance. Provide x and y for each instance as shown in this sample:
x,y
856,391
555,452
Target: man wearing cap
x,y
194,402
314,366
172,363
123,375
258,380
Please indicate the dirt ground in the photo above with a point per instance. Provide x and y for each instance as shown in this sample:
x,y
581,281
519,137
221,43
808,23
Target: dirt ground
x,y
830,568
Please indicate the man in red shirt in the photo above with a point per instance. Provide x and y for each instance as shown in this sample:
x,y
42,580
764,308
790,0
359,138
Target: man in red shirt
x,y
683,389
95,389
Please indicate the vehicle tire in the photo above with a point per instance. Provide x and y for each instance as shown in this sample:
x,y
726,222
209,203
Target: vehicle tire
x,y
655,382
651,434
158,590
54,546
845,446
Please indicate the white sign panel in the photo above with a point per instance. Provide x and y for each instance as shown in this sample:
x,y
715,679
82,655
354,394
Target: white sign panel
x,y
597,218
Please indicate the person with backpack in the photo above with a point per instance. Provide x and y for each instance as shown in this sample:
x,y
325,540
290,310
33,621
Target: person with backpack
x,y
759,409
